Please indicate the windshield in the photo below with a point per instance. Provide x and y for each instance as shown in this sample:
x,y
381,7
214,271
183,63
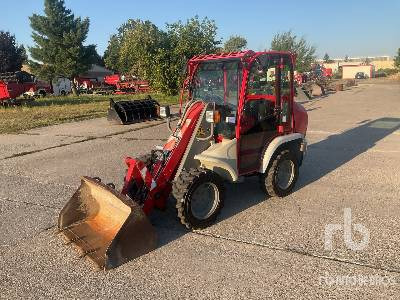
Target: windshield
x,y
217,82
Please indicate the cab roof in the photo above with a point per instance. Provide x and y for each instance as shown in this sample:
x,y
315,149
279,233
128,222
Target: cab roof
x,y
242,55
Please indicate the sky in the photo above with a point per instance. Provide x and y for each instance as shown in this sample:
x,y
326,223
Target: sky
x,y
339,28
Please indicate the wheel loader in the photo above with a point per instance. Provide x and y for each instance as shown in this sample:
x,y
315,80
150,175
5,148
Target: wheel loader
x,y
238,119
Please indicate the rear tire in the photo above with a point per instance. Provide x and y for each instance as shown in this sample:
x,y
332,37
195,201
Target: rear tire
x,y
199,195
280,178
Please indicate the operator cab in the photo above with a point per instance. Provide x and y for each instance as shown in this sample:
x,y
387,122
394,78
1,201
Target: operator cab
x,y
219,82
245,96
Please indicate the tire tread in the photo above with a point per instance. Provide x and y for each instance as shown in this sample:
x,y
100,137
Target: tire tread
x,y
267,179
181,187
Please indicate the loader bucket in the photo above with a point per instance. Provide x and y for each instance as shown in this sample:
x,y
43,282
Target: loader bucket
x,y
106,226
128,112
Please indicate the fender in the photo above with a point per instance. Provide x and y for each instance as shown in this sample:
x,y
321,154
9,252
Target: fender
x,y
275,144
221,158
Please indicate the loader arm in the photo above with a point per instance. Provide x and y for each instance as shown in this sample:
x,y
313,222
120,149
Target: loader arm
x,y
158,182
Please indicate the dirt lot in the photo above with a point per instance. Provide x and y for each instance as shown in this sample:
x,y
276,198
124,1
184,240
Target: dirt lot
x,y
259,248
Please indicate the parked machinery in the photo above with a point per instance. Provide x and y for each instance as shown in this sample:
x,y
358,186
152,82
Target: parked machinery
x,y
61,86
15,84
127,84
315,82
239,119
132,111
120,85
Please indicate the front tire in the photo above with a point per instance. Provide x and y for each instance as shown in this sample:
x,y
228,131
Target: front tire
x,y
199,195
280,178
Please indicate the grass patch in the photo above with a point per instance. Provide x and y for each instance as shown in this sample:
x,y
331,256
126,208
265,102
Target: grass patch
x,y
56,110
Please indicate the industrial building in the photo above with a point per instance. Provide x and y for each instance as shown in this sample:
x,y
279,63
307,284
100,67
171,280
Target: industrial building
x,y
353,65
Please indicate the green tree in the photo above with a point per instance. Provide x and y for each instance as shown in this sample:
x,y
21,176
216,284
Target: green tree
x,y
193,37
235,43
397,60
142,49
94,56
168,68
327,59
59,38
138,49
111,55
183,41
288,41
12,55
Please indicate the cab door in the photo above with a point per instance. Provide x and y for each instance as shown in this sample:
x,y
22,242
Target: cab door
x,y
262,117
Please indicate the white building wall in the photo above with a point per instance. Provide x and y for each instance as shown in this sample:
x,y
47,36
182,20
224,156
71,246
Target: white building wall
x,y
349,72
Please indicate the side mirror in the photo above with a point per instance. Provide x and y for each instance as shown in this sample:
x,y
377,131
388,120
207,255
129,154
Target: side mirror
x,y
165,111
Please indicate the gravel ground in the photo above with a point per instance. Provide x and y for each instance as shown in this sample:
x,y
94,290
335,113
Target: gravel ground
x,y
259,248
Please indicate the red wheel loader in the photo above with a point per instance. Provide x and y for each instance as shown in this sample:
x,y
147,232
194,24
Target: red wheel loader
x,y
239,119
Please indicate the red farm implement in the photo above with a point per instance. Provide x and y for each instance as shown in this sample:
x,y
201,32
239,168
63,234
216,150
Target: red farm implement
x,y
15,84
126,84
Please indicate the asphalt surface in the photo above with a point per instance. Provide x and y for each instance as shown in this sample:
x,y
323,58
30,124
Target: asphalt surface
x,y
260,247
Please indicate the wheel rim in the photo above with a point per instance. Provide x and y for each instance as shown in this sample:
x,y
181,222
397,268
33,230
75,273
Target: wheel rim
x,y
204,200
285,174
